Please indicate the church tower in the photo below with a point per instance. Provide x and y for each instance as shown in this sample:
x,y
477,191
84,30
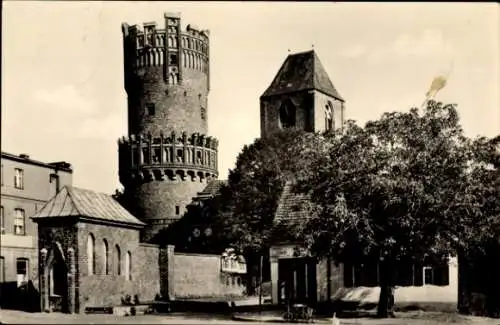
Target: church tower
x,y
301,96
167,157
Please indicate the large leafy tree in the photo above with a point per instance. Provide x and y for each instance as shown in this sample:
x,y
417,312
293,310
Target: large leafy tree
x,y
245,219
407,185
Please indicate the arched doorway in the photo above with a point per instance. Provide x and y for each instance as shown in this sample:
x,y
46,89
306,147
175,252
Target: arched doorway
x,y
58,285
56,280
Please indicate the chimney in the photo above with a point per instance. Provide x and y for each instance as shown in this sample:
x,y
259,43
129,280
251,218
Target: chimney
x,y
24,156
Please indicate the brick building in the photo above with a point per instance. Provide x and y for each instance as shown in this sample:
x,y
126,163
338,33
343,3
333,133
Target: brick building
x,y
302,96
167,157
26,185
90,254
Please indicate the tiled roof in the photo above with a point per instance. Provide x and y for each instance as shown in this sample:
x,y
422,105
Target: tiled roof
x,y
291,206
77,202
212,188
302,71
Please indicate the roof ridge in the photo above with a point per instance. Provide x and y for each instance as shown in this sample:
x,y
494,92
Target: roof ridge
x,y
70,194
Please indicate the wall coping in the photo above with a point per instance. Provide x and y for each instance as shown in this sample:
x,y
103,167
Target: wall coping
x,y
198,254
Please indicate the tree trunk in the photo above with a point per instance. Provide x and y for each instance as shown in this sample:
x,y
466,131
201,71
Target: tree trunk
x,y
385,306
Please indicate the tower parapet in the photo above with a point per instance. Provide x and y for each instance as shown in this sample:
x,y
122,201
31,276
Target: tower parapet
x,y
167,157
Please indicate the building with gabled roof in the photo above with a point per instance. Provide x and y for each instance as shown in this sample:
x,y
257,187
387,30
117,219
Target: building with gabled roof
x,y
83,204
302,96
90,254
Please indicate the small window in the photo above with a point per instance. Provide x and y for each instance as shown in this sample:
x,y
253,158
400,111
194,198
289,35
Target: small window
x,y
2,221
128,266
150,109
203,114
145,156
91,254
180,155
177,210
329,116
18,178
105,253
19,222
118,266
156,155
22,267
287,115
172,59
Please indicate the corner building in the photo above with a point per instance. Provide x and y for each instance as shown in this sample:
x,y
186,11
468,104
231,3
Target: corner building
x,y
167,157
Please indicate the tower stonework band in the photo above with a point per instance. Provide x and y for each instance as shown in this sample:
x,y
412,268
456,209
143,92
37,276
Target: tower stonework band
x,y
167,157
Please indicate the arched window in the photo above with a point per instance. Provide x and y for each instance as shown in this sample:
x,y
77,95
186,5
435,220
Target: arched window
x,y
91,254
105,252
128,266
329,116
287,115
118,261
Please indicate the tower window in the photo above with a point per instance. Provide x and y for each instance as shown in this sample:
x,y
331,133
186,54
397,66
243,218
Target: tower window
x,y
180,155
203,113
172,59
287,115
150,109
329,116
156,155
177,210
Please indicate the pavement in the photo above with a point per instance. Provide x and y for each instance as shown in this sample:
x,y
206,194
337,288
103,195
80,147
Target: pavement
x,y
414,318
404,318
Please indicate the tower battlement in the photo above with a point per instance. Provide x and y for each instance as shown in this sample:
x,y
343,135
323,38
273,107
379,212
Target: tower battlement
x,y
168,46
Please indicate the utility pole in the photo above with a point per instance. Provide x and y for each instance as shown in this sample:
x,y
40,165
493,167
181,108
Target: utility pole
x,y
260,282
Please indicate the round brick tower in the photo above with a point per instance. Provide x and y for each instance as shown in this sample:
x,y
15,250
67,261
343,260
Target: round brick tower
x,y
167,157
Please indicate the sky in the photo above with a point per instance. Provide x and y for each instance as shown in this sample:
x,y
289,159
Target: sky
x,y
62,68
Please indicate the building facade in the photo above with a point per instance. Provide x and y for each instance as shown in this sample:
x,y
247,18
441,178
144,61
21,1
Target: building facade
x,y
302,96
26,186
168,156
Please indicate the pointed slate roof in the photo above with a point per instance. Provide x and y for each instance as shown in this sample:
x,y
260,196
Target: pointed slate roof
x,y
76,202
302,71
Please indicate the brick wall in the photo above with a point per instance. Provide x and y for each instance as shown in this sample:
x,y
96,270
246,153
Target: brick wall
x,y
197,275
320,101
158,199
177,107
102,289
270,114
